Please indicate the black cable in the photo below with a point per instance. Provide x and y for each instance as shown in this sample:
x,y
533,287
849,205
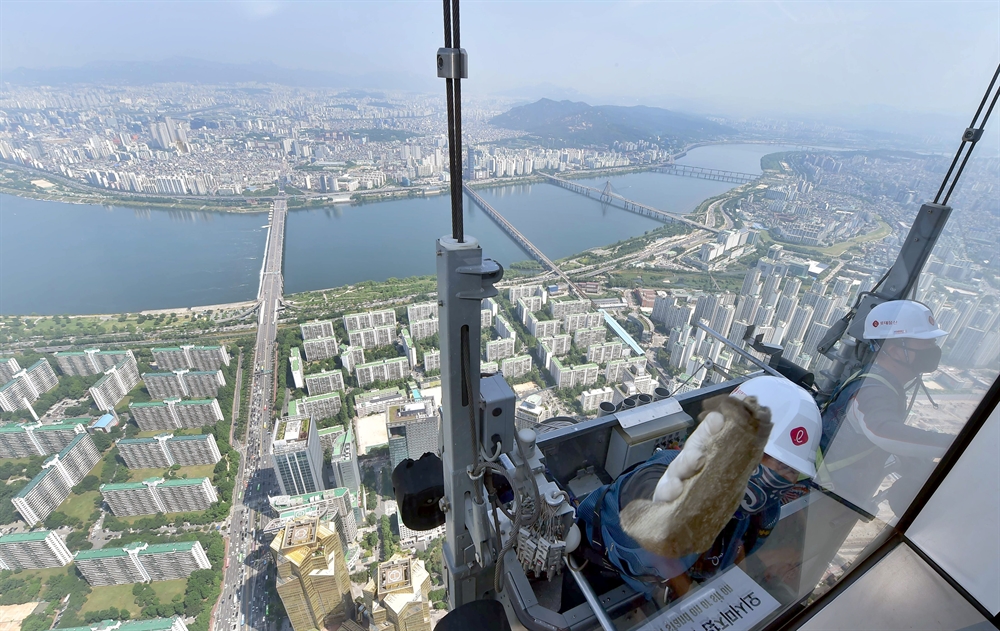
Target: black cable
x,y
973,140
973,143
456,168
457,220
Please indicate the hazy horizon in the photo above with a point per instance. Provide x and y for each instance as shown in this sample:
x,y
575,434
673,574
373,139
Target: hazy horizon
x,y
812,58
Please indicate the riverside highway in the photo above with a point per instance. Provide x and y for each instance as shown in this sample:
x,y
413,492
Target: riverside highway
x,y
242,604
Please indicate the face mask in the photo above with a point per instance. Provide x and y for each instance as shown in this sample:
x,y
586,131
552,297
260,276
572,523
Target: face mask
x,y
764,486
924,359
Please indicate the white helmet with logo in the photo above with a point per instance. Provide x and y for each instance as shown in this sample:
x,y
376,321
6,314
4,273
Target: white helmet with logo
x,y
899,319
796,418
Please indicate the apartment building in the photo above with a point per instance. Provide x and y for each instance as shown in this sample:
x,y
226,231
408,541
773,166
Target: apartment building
x,y
59,474
33,551
175,414
384,370
432,360
191,357
583,338
575,321
602,353
317,407
184,383
572,376
117,382
141,563
542,328
422,311
372,338
157,495
515,366
167,450
24,440
320,348
323,382
351,356
592,399
369,320
91,361
26,385
565,307
421,329
315,329
8,368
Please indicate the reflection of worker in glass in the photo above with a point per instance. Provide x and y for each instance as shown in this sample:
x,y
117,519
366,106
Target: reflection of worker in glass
x,y
788,455
865,420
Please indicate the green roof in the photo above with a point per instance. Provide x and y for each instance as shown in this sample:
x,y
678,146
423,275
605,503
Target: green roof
x,y
330,430
154,624
103,553
38,535
341,442
33,483
191,437
72,444
160,548
320,397
11,428
149,404
129,486
293,407
136,441
188,482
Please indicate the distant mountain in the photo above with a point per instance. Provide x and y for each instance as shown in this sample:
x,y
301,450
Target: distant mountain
x,y
190,70
580,123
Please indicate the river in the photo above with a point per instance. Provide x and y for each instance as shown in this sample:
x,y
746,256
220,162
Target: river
x,y
75,258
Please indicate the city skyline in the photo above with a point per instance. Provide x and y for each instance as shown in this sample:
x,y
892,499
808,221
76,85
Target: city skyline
x,y
856,61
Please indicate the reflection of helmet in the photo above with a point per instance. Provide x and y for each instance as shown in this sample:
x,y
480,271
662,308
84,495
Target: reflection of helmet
x,y
901,318
796,418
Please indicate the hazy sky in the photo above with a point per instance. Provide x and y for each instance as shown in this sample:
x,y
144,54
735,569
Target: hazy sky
x,y
817,57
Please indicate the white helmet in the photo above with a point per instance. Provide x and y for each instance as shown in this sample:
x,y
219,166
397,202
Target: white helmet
x,y
901,318
796,418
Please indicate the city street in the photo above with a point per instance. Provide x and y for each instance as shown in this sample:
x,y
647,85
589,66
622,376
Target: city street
x,y
243,603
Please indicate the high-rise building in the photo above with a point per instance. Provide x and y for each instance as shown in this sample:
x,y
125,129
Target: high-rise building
x,y
8,368
422,311
397,598
383,370
117,382
26,385
513,367
320,348
801,319
369,320
592,399
323,382
59,474
317,407
91,361
412,430
421,329
344,462
379,336
583,338
297,455
191,357
338,505
24,440
141,563
33,551
315,329
157,495
184,383
499,349
312,577
175,414
154,624
378,401
167,450
529,413
295,365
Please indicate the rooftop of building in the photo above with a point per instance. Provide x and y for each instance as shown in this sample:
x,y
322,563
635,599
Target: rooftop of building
x,y
33,482
181,348
321,397
105,421
22,537
325,373
174,373
291,428
411,411
300,533
130,486
163,548
342,443
383,361
173,401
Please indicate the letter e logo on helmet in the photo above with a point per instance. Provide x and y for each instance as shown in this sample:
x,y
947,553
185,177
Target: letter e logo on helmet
x,y
799,436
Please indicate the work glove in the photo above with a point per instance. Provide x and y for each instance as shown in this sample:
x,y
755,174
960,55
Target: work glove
x,y
702,488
